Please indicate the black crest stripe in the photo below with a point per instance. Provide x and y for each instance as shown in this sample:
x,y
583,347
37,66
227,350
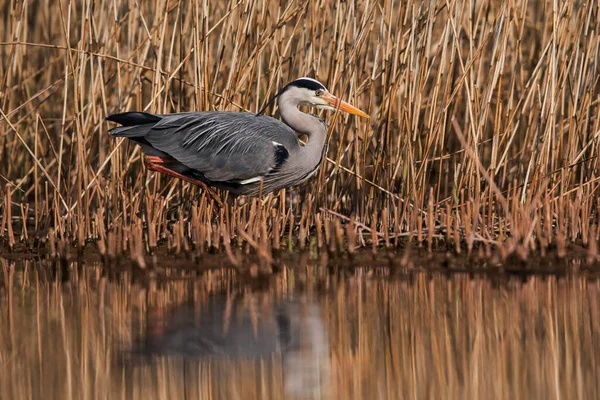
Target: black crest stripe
x,y
309,84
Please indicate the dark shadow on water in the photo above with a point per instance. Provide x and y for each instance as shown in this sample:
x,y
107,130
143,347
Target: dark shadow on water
x,y
221,329
230,330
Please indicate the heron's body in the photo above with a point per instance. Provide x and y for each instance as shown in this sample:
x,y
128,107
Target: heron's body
x,y
241,152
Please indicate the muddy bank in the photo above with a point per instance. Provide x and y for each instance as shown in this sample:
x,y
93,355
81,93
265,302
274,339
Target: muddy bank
x,y
163,262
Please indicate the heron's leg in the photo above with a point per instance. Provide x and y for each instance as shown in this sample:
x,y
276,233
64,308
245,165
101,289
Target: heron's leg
x,y
230,199
155,163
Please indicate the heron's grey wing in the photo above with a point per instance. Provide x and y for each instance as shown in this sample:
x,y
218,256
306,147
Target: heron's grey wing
x,y
224,146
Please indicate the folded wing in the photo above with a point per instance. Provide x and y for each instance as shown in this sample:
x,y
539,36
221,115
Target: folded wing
x,y
221,146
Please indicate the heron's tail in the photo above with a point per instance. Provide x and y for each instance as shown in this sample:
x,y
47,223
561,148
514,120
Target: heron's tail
x,y
134,124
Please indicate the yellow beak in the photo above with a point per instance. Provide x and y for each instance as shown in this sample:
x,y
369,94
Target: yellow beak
x,y
342,105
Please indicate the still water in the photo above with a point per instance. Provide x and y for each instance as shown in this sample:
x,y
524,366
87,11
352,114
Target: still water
x,y
307,332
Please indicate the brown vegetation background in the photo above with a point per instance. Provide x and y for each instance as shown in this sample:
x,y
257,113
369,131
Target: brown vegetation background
x,y
485,122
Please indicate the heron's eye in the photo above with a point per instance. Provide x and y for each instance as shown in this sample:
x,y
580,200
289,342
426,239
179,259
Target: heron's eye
x,y
320,92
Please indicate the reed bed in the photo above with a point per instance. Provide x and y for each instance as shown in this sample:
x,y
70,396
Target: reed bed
x,y
484,133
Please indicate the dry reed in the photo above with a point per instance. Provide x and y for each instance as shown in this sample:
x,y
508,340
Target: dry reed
x,y
484,133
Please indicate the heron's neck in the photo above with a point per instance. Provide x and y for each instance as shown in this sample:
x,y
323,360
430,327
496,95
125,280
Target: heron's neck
x,y
307,124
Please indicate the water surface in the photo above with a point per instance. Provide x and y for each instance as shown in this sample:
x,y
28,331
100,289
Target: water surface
x,y
308,332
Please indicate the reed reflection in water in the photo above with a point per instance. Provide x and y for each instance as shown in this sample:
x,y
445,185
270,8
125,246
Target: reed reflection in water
x,y
308,334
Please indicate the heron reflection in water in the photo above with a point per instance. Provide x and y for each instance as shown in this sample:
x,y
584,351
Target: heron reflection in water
x,y
234,329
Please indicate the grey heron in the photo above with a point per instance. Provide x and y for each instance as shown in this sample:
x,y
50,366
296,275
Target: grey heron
x,y
242,152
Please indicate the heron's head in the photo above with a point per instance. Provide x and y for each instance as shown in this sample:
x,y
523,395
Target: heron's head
x,y
312,93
